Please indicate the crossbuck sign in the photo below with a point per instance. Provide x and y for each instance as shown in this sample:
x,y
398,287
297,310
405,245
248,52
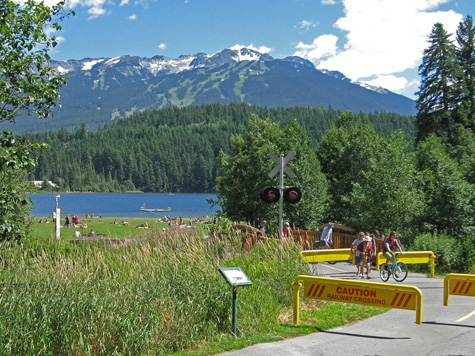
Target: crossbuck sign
x,y
281,162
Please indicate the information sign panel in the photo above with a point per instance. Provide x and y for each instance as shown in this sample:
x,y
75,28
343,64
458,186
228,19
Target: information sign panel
x,y
235,276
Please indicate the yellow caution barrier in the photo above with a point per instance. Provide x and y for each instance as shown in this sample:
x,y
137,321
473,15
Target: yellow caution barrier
x,y
458,284
367,293
340,254
411,257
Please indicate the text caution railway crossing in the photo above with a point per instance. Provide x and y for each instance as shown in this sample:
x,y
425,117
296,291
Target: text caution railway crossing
x,y
360,295
458,284
367,293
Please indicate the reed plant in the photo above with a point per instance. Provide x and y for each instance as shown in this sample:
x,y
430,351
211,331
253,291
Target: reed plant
x,y
157,294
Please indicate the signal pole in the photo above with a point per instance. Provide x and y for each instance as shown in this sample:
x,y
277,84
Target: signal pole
x,y
281,168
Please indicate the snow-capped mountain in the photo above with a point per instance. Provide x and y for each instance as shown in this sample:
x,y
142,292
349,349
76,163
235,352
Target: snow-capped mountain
x,y
160,65
104,89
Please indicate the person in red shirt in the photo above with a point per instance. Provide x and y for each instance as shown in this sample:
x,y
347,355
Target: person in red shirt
x,y
390,245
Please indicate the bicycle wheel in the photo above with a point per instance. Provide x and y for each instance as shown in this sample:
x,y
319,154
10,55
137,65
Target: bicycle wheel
x,y
384,273
400,272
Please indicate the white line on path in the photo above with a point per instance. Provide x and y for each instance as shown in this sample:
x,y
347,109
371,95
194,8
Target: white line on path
x,y
336,269
466,316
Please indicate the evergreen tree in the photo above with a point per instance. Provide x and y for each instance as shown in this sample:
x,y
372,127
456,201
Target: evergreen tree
x,y
449,204
466,59
441,90
178,145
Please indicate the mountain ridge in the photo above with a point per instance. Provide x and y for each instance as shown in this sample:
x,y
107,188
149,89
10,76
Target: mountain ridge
x,y
104,89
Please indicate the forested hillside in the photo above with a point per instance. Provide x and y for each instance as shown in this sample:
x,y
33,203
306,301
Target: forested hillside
x,y
173,149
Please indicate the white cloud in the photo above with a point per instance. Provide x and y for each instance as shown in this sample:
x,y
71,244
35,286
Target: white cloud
x,y
132,17
60,39
95,12
46,2
383,38
321,47
390,82
124,2
162,46
396,84
95,8
305,25
328,2
49,31
261,49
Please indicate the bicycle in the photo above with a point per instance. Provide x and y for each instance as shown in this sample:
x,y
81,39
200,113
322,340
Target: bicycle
x,y
329,248
397,269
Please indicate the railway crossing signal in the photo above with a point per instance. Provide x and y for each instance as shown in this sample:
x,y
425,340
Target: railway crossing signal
x,y
280,193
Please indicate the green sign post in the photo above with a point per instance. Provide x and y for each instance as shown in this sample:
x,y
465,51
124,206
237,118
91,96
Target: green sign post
x,y
236,277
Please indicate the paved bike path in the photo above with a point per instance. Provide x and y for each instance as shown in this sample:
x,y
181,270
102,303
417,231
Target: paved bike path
x,y
445,330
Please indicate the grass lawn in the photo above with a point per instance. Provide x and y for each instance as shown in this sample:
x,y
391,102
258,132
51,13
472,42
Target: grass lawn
x,y
105,227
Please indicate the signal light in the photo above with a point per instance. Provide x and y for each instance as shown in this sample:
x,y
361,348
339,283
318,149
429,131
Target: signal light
x,y
292,195
270,195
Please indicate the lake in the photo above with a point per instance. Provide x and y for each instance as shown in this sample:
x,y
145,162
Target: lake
x,y
127,205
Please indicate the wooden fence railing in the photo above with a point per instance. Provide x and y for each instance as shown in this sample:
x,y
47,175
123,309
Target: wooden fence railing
x,y
343,237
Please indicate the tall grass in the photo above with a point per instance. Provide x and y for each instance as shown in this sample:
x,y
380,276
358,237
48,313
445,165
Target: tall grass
x,y
159,295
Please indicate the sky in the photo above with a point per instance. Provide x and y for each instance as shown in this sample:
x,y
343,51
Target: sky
x,y
379,42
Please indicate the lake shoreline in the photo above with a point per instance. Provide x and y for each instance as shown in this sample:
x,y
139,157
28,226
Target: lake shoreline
x,y
125,205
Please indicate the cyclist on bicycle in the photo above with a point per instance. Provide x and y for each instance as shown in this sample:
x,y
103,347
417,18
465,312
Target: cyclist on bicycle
x,y
326,239
390,244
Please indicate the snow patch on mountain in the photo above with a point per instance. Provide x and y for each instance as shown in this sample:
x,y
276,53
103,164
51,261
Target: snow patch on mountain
x,y
62,70
375,88
111,62
341,76
245,54
89,64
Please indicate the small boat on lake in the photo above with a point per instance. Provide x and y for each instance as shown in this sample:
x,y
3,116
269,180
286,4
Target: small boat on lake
x,y
154,210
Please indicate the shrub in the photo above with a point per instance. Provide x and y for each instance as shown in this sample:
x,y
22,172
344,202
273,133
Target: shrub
x,y
448,252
